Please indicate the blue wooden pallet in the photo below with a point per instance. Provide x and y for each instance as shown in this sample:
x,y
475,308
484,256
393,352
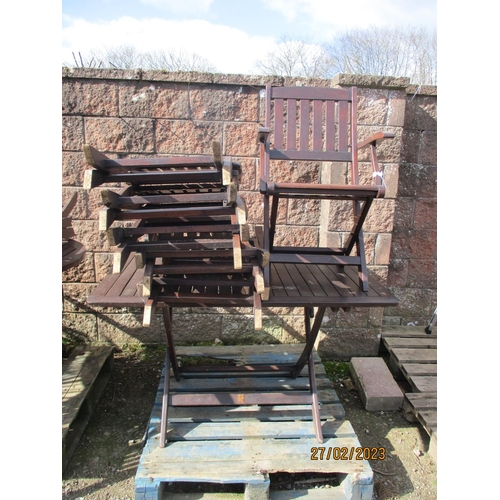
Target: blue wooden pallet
x,y
246,444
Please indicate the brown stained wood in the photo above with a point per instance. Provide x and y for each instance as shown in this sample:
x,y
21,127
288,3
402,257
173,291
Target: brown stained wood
x,y
212,281
72,254
379,136
328,132
330,126
136,201
257,311
322,93
291,124
299,282
68,233
100,161
163,177
111,291
283,277
317,125
310,258
163,213
69,205
323,191
202,267
208,230
66,222
122,279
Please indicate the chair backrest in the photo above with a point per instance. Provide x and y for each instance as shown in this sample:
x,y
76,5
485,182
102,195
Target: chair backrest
x,y
311,124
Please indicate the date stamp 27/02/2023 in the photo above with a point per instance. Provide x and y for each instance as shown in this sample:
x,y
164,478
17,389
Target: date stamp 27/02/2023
x,y
345,453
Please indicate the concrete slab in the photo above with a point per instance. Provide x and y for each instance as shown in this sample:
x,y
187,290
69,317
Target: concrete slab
x,y
377,388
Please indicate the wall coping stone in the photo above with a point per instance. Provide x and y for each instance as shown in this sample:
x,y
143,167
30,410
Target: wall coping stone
x,y
373,81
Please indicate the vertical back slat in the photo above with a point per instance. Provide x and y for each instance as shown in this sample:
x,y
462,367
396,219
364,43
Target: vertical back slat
x,y
330,126
291,124
354,135
317,125
343,126
278,123
304,125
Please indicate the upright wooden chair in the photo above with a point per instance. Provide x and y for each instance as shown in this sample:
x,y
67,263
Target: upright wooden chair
x,y
316,124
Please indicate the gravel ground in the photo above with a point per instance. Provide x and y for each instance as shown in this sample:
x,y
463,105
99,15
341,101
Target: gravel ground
x,y
105,461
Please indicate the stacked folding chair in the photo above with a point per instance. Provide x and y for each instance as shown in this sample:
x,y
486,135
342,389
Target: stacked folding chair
x,y
182,220
72,251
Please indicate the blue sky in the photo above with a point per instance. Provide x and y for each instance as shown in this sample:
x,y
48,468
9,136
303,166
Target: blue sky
x,y
232,35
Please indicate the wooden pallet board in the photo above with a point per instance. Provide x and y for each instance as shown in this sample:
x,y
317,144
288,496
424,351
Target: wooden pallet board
x,y
413,357
245,444
84,376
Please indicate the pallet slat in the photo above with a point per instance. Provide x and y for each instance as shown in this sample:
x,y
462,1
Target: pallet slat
x,y
413,356
247,443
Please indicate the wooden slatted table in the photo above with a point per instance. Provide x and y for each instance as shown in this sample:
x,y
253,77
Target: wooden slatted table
x,y
291,285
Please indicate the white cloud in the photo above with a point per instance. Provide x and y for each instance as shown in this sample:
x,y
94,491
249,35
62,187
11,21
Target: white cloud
x,y
361,14
231,50
181,6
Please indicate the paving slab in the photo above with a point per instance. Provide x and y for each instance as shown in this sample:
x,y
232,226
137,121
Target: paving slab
x,y
377,388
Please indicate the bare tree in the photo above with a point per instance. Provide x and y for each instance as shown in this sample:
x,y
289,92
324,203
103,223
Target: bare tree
x,y
128,57
410,52
177,61
296,57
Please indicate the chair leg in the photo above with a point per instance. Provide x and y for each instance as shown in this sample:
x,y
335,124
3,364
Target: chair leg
x,y
309,313
363,270
274,216
167,320
314,400
164,404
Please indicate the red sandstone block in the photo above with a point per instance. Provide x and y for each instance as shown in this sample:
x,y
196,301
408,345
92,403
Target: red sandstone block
x,y
377,388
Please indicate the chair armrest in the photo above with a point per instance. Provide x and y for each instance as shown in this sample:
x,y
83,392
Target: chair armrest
x,y
379,136
378,175
262,134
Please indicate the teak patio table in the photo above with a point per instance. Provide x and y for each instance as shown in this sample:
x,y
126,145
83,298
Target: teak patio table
x,y
307,285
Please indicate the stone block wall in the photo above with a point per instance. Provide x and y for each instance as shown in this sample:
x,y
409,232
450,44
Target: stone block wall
x,y
135,113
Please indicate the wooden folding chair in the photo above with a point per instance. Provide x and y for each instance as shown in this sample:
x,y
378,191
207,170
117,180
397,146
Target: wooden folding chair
x,y
316,124
175,215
